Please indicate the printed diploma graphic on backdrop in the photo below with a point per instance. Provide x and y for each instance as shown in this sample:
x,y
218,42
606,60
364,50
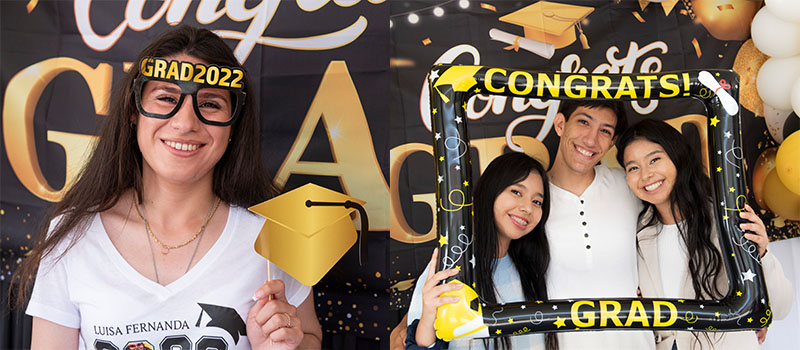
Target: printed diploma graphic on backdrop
x,y
319,70
640,39
746,306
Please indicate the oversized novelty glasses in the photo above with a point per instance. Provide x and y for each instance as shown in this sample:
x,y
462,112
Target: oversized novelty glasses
x,y
160,91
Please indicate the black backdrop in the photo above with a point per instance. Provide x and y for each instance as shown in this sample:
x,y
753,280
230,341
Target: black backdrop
x,y
348,42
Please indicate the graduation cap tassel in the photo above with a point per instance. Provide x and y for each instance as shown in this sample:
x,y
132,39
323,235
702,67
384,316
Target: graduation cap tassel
x,y
362,241
584,41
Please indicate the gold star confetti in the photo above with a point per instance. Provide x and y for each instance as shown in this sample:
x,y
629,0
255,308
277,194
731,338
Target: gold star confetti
x,y
442,240
719,169
434,111
477,90
733,254
716,314
725,217
498,331
714,121
441,158
466,183
559,322
464,106
732,189
510,320
738,293
458,267
538,301
749,320
680,300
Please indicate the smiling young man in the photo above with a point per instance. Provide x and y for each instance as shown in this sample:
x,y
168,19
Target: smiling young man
x,y
592,224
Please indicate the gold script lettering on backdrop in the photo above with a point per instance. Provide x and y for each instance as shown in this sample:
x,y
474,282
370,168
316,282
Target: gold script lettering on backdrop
x,y
259,16
338,106
22,95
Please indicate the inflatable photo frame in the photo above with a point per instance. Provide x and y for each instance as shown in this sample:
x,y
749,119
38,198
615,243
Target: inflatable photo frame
x,y
745,307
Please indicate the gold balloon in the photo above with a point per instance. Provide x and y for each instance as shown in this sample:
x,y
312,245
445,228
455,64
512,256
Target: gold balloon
x,y
726,19
779,199
787,162
747,63
764,165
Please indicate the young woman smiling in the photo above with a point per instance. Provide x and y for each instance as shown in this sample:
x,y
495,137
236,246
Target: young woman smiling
x,y
679,254
152,244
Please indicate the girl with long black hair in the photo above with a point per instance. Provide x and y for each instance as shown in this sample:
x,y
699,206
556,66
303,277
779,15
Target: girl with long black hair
x,y
511,204
679,254
152,245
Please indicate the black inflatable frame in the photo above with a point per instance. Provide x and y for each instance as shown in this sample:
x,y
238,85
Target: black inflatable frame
x,y
744,307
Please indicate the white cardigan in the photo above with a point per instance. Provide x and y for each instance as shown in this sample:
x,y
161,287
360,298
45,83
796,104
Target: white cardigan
x,y
779,290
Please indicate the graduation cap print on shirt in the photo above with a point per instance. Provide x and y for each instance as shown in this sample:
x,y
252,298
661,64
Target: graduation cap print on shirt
x,y
223,317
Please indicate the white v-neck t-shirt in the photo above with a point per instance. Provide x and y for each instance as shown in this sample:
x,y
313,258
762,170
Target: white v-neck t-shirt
x,y
94,289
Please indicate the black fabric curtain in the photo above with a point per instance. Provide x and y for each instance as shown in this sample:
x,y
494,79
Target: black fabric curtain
x,y
15,326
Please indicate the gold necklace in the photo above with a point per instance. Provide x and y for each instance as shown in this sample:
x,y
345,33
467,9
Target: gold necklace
x,y
166,248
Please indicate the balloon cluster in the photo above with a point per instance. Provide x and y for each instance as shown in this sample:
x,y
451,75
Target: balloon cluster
x,y
745,307
776,33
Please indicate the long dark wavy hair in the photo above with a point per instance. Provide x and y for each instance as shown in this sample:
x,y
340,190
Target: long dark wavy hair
x,y
115,166
530,253
690,200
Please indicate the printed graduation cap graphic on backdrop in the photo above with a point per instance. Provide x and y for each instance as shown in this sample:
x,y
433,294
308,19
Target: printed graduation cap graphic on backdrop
x,y
223,317
550,23
308,230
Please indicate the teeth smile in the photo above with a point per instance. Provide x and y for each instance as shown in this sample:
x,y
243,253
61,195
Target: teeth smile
x,y
181,146
653,186
519,221
585,152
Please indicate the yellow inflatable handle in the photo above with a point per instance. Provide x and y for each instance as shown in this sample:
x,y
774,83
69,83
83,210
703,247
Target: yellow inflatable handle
x,y
459,320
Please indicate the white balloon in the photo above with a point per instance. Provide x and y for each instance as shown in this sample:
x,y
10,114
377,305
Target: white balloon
x,y
775,80
796,96
775,119
774,36
787,10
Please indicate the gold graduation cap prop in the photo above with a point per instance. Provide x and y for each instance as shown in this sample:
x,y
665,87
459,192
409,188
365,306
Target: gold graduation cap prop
x,y
550,22
308,230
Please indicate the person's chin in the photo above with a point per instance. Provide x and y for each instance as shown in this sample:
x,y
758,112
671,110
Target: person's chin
x,y
584,167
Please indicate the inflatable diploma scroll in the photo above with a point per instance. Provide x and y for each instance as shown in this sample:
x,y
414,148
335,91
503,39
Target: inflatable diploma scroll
x,y
746,305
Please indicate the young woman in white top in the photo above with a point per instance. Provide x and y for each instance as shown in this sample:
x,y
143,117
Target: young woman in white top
x,y
679,254
511,205
159,207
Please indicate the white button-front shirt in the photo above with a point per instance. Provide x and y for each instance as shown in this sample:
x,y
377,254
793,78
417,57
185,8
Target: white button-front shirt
x,y
592,241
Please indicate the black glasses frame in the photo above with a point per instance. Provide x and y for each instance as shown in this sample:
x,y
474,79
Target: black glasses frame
x,y
188,88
